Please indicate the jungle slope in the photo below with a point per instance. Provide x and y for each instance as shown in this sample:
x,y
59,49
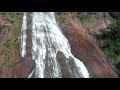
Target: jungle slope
x,y
83,43
10,25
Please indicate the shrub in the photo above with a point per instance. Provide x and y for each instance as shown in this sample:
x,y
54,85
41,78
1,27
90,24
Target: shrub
x,y
60,18
11,64
15,21
85,18
10,44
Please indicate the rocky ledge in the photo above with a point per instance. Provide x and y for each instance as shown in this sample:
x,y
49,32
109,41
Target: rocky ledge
x,y
84,47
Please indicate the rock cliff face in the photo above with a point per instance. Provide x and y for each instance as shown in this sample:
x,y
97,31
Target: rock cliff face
x,y
94,21
84,47
10,24
78,28
26,64
23,68
68,69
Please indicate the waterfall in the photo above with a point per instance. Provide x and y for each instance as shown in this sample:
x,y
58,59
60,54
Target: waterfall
x,y
47,41
23,35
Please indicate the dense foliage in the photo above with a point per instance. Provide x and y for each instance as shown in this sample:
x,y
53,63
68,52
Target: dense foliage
x,y
110,41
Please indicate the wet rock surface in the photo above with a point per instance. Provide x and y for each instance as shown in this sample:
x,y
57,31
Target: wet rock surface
x,y
68,66
63,65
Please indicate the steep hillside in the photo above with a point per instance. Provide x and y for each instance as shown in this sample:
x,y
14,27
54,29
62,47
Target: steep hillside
x,y
79,28
80,31
10,25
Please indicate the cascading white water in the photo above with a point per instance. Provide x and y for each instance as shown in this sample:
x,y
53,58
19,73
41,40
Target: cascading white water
x,y
47,40
23,35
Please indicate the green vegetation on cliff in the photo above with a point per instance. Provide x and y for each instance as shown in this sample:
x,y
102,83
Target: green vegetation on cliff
x,y
10,25
14,21
84,19
110,41
11,63
10,45
60,17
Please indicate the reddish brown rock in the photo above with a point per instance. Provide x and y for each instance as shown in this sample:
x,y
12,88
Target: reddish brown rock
x,y
8,31
68,66
63,65
23,68
84,47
